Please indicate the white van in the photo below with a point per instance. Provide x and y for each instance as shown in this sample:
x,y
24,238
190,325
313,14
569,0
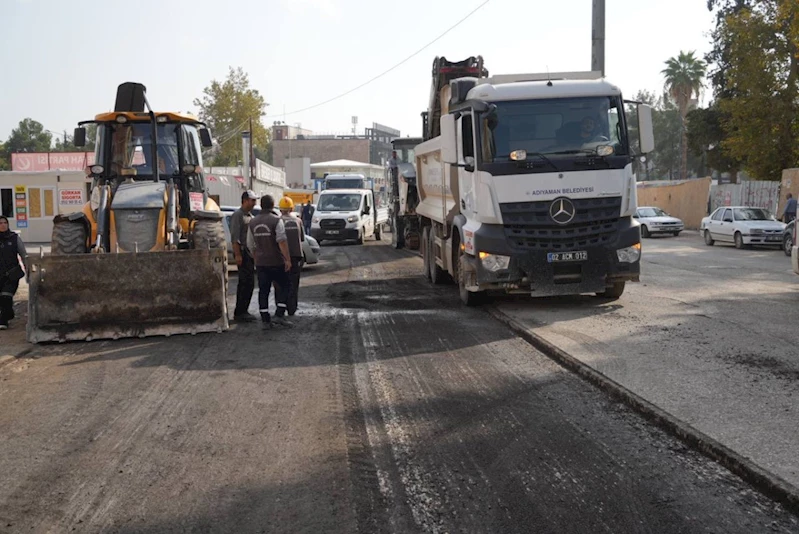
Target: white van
x,y
347,215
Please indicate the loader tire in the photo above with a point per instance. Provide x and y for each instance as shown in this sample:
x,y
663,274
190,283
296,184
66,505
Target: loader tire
x,y
209,233
69,237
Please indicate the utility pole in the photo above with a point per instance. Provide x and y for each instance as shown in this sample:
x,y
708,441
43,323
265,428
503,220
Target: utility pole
x,y
252,155
598,37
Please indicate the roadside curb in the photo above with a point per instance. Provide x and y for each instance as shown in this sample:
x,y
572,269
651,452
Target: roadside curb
x,y
765,482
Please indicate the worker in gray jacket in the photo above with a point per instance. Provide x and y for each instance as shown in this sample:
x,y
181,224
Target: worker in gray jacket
x,y
266,238
295,235
12,250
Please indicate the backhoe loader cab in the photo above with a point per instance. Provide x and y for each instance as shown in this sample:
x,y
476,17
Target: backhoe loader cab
x,y
146,255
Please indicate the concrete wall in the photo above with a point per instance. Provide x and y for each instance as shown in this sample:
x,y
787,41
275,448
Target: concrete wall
x,y
687,200
298,173
319,150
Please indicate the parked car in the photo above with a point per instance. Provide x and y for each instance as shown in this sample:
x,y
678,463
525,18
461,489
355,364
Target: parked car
x,y
310,246
656,221
787,238
742,225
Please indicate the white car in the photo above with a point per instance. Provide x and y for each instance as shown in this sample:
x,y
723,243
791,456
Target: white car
x,y
743,226
310,247
656,221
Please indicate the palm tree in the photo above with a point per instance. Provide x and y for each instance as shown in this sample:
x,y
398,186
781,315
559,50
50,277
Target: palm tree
x,y
684,76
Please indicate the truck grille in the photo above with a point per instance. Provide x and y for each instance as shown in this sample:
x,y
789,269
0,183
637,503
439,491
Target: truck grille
x,y
528,225
137,228
332,224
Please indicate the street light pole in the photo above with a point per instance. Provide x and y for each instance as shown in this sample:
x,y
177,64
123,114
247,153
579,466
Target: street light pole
x,y
598,37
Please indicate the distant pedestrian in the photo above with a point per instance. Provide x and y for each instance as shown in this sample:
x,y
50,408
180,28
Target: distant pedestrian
x,y
267,240
239,223
294,236
307,216
12,250
789,213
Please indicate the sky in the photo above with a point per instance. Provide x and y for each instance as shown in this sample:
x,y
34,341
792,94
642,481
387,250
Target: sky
x,y
62,61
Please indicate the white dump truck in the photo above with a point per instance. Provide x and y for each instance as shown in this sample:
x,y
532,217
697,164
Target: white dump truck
x,y
526,185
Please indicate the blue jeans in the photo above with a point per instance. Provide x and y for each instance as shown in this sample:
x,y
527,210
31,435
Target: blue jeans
x,y
266,276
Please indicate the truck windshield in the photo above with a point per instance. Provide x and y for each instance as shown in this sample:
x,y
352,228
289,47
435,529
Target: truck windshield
x,y
554,127
339,202
127,149
344,183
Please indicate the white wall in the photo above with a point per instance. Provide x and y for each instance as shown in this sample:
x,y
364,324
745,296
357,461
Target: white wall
x,y
57,192
298,173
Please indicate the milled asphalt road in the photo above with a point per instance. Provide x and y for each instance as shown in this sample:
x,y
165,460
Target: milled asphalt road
x,y
389,408
711,335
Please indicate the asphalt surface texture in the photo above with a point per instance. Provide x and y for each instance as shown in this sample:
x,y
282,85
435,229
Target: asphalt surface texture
x,y
389,407
710,335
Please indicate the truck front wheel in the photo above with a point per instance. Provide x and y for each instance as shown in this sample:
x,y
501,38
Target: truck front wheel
x,y
469,298
613,292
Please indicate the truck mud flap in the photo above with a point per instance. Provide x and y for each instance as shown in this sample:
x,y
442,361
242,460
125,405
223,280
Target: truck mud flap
x,y
110,296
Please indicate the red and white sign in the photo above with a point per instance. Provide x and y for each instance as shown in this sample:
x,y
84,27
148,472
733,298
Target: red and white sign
x,y
196,201
70,197
46,161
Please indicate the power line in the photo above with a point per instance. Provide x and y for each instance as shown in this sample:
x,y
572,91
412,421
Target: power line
x,y
388,70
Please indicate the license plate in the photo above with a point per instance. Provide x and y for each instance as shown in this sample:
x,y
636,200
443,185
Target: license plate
x,y
553,257
332,231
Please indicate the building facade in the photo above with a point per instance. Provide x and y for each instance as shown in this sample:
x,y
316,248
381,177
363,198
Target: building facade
x,y
373,147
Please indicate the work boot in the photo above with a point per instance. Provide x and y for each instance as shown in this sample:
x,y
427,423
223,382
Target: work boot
x,y
244,317
266,325
282,321
6,310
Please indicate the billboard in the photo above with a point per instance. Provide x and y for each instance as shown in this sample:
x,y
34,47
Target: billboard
x,y
46,161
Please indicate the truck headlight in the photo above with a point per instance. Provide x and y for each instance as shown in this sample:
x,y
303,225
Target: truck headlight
x,y
494,262
352,218
315,220
630,254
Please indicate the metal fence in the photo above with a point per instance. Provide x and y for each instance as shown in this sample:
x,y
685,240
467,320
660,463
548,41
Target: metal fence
x,y
759,194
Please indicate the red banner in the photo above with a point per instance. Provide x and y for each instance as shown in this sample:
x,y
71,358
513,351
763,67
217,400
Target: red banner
x,y
47,161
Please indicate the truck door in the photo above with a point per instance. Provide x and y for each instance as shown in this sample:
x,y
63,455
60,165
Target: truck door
x,y
368,216
466,183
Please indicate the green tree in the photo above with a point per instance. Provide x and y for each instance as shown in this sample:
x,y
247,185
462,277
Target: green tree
x,y
28,136
666,126
761,80
5,162
706,136
684,76
227,107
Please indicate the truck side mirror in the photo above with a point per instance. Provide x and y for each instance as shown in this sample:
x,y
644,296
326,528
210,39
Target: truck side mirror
x,y
79,137
645,131
205,138
449,140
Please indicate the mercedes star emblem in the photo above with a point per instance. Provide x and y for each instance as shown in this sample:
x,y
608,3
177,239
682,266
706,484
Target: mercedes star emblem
x,y
562,211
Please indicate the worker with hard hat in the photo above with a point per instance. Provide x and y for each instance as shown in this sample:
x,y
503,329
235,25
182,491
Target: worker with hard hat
x,y
295,235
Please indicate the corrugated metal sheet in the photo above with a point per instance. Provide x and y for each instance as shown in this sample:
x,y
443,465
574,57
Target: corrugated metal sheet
x,y
759,194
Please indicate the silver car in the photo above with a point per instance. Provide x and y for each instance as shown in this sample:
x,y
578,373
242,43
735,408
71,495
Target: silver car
x,y
656,221
310,247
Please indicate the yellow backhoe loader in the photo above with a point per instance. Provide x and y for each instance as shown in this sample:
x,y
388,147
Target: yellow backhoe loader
x,y
147,254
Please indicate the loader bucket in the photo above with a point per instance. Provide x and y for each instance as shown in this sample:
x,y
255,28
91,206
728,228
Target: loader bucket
x,y
111,296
